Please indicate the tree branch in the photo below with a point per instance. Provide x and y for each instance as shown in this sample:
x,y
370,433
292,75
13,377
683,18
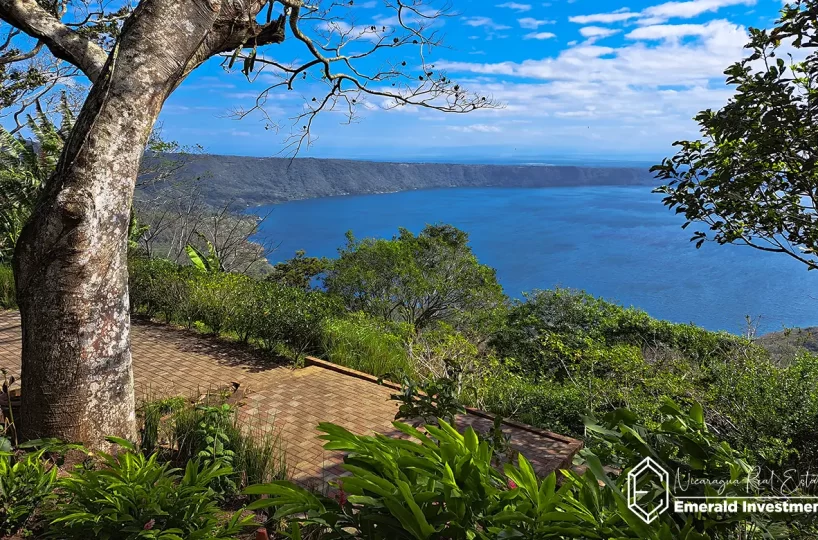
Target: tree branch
x,y
64,43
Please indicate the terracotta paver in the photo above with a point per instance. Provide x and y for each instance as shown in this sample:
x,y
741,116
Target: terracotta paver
x,y
171,361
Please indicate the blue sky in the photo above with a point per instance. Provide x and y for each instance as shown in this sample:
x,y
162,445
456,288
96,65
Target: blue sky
x,y
579,79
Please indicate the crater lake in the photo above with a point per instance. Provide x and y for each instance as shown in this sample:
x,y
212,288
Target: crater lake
x,y
619,243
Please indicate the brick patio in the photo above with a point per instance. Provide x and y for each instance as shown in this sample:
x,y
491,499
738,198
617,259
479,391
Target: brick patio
x,y
172,361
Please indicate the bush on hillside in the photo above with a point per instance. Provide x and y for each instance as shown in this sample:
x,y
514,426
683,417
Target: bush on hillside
x,y
274,316
367,344
420,280
547,327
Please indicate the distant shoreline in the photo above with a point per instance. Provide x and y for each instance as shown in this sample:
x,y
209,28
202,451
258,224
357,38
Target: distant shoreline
x,y
253,182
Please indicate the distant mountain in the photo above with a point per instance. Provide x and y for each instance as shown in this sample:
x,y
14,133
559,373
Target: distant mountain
x,y
250,181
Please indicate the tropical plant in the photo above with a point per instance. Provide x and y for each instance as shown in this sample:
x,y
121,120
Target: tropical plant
x,y
136,497
25,167
429,400
214,442
435,488
206,262
25,482
442,485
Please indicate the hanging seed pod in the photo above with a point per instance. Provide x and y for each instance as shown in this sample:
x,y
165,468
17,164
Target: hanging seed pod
x,y
233,58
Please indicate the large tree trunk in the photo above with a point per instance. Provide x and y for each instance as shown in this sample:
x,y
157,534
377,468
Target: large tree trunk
x,y
71,261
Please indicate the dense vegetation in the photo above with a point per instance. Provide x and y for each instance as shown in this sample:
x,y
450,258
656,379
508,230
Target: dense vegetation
x,y
421,308
192,464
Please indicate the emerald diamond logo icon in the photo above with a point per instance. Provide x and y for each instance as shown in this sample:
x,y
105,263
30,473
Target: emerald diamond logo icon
x,y
643,502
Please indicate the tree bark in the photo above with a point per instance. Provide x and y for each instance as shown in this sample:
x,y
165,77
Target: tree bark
x,y
71,261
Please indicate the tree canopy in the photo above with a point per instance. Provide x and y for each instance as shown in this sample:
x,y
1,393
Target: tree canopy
x,y
420,280
752,178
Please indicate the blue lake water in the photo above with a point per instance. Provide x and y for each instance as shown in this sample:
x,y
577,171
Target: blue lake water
x,y
619,243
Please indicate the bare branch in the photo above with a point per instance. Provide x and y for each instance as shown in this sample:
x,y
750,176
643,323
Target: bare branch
x,y
340,51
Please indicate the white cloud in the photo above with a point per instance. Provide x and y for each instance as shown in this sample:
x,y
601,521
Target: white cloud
x,y
475,128
642,94
669,63
676,31
539,35
531,23
597,32
605,18
660,13
484,22
691,8
515,6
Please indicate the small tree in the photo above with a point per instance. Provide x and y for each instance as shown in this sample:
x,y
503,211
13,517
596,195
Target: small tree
x,y
753,177
420,280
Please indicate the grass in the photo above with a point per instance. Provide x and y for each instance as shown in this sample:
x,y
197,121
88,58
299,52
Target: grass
x,y
363,344
171,427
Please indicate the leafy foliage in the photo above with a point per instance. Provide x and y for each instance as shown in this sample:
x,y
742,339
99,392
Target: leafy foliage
x,y
210,433
300,271
214,442
443,485
564,353
751,179
367,344
135,496
205,262
419,280
435,398
25,482
24,169
279,318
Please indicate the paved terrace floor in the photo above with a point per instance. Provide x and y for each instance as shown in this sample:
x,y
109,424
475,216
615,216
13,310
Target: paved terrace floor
x,y
173,361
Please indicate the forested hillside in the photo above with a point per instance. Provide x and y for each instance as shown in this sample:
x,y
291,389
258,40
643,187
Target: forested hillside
x,y
257,181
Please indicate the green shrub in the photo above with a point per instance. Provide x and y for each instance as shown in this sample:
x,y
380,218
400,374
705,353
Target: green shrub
x,y
768,410
367,344
25,481
214,442
436,398
420,280
151,413
210,434
548,327
258,456
546,404
216,297
293,318
442,485
161,287
134,496
8,294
